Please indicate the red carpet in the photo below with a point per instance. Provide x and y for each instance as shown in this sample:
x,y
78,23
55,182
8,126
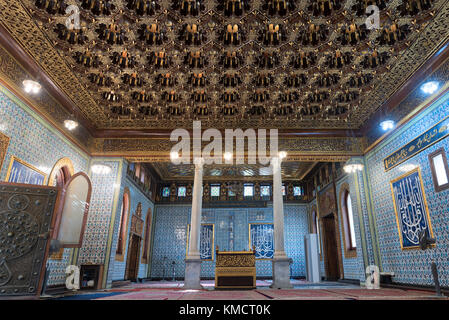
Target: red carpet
x,y
166,290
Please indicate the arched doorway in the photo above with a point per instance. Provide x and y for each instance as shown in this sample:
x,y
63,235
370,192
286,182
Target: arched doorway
x,y
330,247
61,173
135,239
331,250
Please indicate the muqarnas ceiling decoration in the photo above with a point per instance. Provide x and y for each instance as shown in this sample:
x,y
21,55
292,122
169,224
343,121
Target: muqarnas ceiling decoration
x,y
277,63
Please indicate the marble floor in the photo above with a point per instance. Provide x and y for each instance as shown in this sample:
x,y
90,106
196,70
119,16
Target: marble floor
x,y
302,290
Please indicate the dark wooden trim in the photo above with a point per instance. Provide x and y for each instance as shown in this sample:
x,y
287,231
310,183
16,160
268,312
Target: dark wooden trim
x,y
426,69
24,59
441,151
165,133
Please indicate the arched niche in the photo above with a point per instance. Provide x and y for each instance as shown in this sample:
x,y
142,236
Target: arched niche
x,y
63,166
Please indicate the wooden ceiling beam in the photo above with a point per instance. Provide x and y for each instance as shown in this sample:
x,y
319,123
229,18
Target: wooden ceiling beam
x,y
165,133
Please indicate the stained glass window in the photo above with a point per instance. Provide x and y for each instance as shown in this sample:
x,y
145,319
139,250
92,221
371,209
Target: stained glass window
x,y
248,190
215,191
297,191
264,191
182,191
283,189
166,192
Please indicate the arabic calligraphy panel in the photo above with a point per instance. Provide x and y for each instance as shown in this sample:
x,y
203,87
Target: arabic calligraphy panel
x,y
261,237
411,210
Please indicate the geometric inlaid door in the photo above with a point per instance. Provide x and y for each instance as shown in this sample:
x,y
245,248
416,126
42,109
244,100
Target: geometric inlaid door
x,y
26,220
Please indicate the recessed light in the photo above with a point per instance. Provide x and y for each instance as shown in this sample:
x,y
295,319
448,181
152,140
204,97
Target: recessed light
x,y
31,86
387,125
430,87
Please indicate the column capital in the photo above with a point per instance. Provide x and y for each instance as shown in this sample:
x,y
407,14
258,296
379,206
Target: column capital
x,y
275,161
198,162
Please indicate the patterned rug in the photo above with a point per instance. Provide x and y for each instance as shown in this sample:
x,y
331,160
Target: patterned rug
x,y
89,296
172,290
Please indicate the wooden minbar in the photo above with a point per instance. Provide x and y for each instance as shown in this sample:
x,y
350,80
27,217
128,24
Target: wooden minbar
x,y
235,269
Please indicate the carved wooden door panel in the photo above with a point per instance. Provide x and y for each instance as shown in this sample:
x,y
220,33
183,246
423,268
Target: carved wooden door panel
x,y
26,220
330,247
134,257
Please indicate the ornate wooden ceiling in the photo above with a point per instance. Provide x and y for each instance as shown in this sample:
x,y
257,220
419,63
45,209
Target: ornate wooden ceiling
x,y
161,64
290,170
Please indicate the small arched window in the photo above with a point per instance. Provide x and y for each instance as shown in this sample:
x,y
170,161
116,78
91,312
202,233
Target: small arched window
x,y
124,214
146,239
348,222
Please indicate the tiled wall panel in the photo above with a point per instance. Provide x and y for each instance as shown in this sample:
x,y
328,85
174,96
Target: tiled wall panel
x,y
231,233
34,141
411,266
136,197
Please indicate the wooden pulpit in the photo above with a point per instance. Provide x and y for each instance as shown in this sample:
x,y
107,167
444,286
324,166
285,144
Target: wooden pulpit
x,y
235,269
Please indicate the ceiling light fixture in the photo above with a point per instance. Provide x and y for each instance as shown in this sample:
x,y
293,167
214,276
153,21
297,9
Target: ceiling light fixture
x,y
101,169
349,168
31,86
70,124
353,165
430,87
387,125
227,156
174,155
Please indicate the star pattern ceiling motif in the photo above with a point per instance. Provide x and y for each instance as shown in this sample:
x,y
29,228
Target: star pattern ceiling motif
x,y
233,63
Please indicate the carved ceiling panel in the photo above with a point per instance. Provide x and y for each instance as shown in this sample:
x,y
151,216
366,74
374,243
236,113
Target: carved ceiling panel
x,y
230,63
290,170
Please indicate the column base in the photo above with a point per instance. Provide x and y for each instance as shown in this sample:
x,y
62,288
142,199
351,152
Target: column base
x,y
281,273
192,274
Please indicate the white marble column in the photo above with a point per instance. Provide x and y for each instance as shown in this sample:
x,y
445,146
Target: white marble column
x,y
281,263
193,260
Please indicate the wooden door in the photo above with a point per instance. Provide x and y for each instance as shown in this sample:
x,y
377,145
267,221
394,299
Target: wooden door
x,y
133,265
26,219
330,245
